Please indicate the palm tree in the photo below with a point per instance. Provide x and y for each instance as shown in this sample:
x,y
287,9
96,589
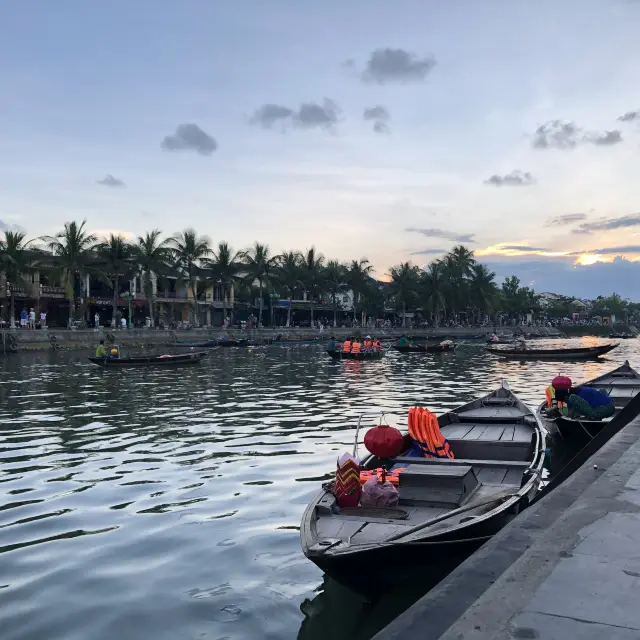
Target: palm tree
x,y
259,265
189,251
16,261
312,272
463,260
433,288
358,278
73,254
151,256
335,278
115,256
404,284
289,273
484,292
223,270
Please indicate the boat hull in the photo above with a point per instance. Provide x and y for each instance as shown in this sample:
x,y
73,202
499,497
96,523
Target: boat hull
x,y
584,353
436,348
150,361
363,355
189,345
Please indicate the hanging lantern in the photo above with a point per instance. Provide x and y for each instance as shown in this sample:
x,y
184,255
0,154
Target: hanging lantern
x,y
384,441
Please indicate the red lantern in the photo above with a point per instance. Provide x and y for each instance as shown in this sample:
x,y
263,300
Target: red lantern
x,y
384,441
561,383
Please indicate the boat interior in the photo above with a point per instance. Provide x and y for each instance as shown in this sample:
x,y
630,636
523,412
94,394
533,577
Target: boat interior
x,y
495,440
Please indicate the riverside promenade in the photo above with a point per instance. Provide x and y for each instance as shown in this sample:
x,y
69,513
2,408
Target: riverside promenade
x,y
567,567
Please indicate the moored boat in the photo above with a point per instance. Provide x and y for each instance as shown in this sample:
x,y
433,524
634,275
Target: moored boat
x,y
447,507
192,343
569,353
243,342
285,341
151,361
622,384
361,355
429,348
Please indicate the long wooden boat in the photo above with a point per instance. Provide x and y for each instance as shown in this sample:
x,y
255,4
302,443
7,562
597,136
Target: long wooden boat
x,y
286,341
575,353
151,361
622,384
430,348
447,507
621,336
193,343
243,342
362,355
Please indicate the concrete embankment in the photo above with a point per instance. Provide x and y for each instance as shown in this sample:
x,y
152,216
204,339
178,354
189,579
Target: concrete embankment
x,y
38,340
567,567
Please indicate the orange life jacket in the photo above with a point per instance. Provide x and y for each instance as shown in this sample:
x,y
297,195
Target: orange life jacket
x,y
377,346
368,344
355,347
346,347
425,432
391,476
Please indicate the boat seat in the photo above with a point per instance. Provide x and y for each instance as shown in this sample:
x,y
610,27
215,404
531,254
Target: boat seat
x,y
516,464
444,486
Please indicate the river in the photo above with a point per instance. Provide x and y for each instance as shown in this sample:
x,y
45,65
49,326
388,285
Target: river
x,y
165,504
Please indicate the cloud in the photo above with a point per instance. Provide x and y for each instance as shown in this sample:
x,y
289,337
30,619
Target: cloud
x,y
427,252
520,247
310,115
607,224
630,116
445,235
564,277
380,116
190,137
396,65
111,181
569,218
514,179
559,134
269,114
610,251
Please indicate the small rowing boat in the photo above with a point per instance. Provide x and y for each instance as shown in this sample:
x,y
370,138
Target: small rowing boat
x,y
362,355
243,342
432,348
447,507
150,361
621,384
575,353
192,343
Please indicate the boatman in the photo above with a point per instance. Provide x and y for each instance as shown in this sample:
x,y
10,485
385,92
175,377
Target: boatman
x,y
101,352
590,403
331,344
403,342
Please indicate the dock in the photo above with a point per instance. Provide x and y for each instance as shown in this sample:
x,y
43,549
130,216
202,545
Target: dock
x,y
567,567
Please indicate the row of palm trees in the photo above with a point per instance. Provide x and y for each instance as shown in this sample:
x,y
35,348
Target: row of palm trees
x,y
445,288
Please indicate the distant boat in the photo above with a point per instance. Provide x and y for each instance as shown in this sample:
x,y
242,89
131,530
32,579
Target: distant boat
x,y
576,353
233,343
150,361
362,355
433,348
622,384
621,336
192,343
284,341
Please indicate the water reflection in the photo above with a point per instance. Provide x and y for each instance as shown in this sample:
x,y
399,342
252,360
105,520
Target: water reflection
x,y
165,504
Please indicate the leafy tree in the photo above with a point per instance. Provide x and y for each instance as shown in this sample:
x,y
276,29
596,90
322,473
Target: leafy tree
x,y
116,261
312,275
289,273
17,260
335,279
405,279
433,290
358,278
260,265
224,270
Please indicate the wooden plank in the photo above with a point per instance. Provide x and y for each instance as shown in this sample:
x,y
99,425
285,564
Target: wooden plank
x,y
456,431
492,433
522,433
493,475
475,433
514,476
461,461
507,434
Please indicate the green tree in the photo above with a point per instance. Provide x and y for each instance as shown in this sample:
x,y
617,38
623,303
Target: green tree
x,y
359,278
17,260
152,257
259,265
116,261
74,257
433,290
483,291
190,251
405,279
312,276
335,278
224,270
289,272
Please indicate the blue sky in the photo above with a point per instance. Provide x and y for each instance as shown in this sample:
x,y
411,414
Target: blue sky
x,y
486,122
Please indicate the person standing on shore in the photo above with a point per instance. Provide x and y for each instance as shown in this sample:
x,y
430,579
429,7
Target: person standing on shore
x,y
96,321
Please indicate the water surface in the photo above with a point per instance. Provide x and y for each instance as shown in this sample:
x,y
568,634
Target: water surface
x,y
166,503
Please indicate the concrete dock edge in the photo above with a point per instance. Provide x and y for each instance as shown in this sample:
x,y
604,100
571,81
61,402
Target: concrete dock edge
x,y
482,598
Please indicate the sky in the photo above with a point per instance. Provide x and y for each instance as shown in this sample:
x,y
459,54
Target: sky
x,y
391,131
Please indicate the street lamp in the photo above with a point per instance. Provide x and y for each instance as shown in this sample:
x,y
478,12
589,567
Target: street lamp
x,y
129,297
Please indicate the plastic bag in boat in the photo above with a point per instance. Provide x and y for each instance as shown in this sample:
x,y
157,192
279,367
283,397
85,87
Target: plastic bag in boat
x,y
378,494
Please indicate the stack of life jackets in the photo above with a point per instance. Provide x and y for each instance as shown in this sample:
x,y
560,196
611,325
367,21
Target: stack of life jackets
x,y
425,432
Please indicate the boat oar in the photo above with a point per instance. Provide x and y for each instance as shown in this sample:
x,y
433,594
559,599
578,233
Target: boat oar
x,y
496,497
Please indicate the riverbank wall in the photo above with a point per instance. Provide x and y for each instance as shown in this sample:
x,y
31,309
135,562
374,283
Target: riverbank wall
x,y
12,340
567,567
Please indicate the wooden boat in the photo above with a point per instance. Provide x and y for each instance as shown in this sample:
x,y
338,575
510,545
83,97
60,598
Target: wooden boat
x,y
363,355
622,384
193,343
447,507
285,341
433,348
151,361
243,342
621,336
575,353
502,341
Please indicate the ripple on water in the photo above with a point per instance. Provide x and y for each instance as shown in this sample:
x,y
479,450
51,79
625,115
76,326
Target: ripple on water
x,y
166,504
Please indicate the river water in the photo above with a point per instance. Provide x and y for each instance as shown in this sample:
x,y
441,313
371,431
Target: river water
x,y
165,504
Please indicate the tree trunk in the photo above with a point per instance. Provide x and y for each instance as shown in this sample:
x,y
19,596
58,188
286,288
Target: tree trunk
x,y
404,315
335,311
312,310
150,305
354,305
289,314
114,303
13,308
196,320
71,310
224,304
260,305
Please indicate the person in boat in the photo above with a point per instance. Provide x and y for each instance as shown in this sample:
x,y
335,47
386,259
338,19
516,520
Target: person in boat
x,y
346,345
377,346
368,343
590,403
403,341
331,344
356,346
101,352
520,345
